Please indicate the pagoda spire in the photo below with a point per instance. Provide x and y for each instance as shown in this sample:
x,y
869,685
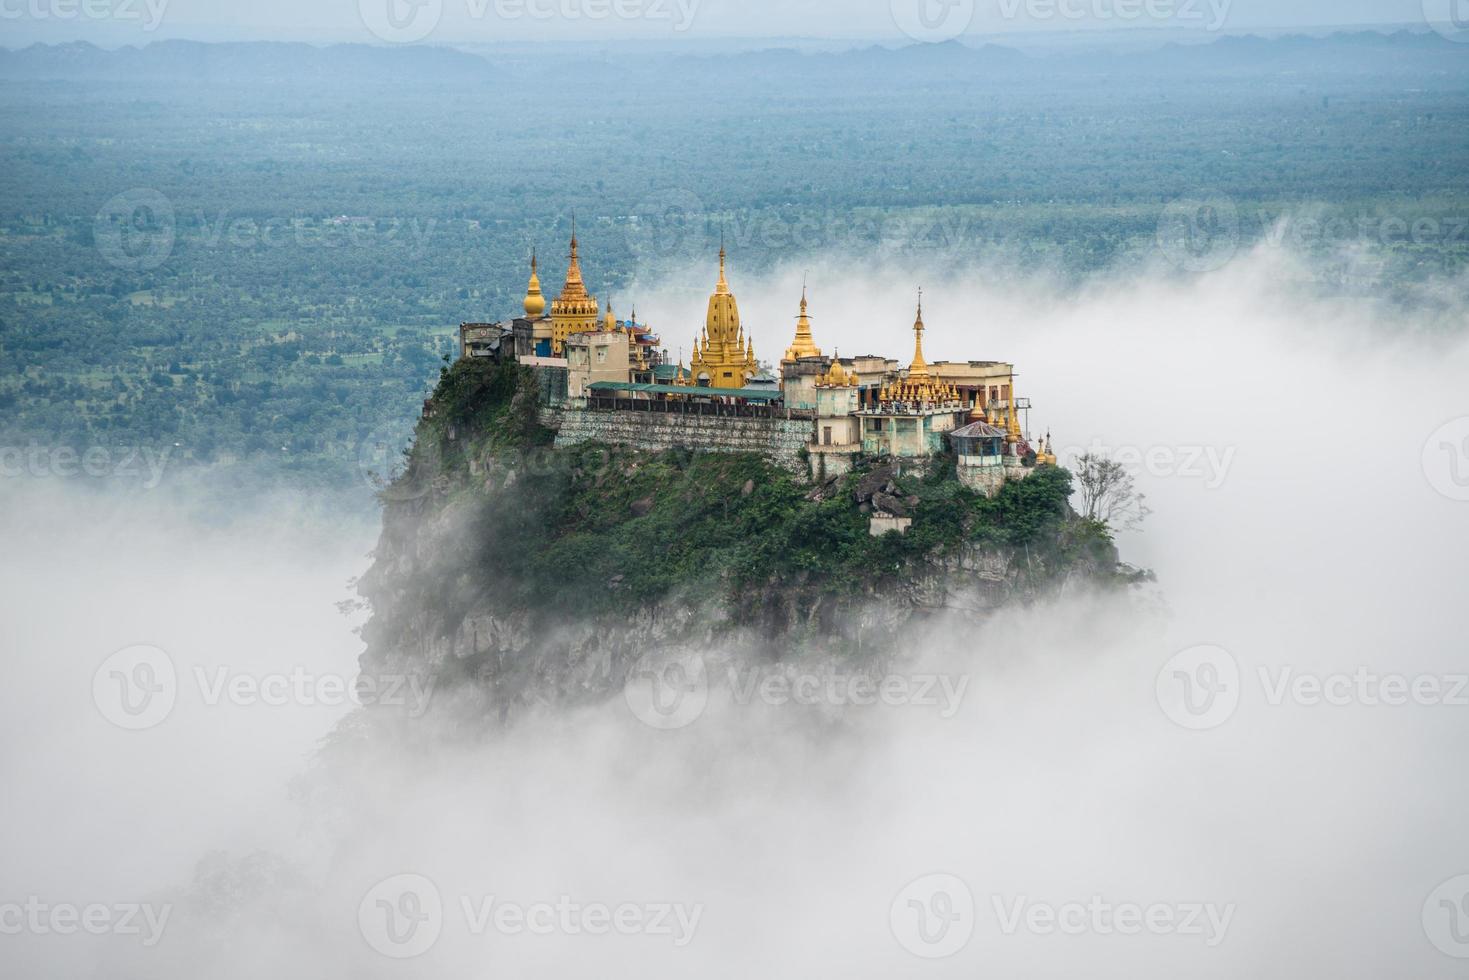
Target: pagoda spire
x,y
919,369
576,287
722,287
804,345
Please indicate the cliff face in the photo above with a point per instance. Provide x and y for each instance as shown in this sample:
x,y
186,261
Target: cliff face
x,y
524,574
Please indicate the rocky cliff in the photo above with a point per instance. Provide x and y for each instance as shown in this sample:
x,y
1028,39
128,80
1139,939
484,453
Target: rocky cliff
x,y
520,574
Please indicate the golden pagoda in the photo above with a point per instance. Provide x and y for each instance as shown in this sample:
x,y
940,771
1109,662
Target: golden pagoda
x,y
918,387
1006,416
835,376
803,345
575,310
723,357
535,300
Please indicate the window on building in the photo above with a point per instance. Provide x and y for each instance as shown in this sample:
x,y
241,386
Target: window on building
x,y
826,435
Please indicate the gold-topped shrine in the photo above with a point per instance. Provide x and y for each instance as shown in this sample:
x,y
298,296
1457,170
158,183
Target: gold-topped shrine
x,y
575,310
723,357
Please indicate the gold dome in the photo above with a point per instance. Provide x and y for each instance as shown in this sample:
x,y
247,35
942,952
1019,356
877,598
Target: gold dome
x,y
836,376
535,301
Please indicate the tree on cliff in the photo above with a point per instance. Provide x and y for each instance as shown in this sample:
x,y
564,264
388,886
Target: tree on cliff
x,y
1108,493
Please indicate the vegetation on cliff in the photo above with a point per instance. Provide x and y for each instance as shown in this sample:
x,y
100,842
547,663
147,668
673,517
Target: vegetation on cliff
x,y
593,529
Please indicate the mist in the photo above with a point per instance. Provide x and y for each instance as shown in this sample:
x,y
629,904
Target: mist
x,y
1309,515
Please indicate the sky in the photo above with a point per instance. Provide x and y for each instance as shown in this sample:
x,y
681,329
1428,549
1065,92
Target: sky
x,y
116,22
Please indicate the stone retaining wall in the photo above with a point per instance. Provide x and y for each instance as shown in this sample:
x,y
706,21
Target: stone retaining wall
x,y
780,440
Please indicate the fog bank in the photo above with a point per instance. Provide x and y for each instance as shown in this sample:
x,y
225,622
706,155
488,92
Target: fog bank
x,y
1148,785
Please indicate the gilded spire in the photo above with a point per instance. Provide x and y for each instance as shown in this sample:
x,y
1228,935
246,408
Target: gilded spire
x,y
575,310
723,357
535,300
803,345
919,368
575,288
919,387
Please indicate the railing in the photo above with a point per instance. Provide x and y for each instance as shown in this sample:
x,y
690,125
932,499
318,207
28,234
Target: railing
x,y
604,403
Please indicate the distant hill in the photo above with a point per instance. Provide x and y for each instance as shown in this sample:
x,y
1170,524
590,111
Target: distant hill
x,y
253,63
1357,57
187,62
